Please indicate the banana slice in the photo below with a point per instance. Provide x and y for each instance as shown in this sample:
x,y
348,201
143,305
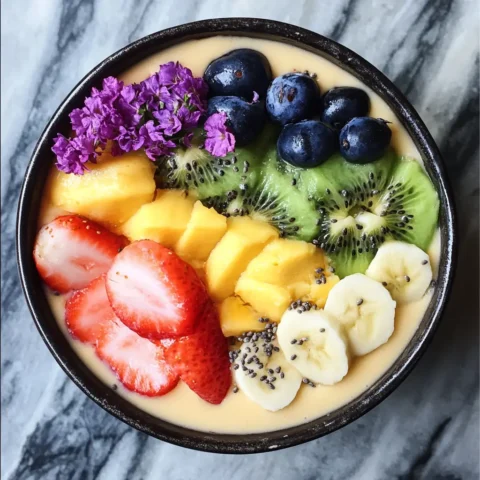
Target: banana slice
x,y
365,309
269,381
404,269
313,343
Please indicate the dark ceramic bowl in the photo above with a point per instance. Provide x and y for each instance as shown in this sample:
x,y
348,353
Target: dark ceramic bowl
x,y
29,209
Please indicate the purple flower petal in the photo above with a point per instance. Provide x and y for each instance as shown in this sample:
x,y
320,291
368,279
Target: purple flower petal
x,y
220,140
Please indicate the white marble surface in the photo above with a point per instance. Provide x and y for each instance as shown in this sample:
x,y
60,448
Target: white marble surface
x,y
428,429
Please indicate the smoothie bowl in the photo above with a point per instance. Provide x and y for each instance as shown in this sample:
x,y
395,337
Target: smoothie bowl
x,y
236,235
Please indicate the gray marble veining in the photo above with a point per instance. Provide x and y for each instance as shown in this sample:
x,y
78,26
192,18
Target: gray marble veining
x,y
428,429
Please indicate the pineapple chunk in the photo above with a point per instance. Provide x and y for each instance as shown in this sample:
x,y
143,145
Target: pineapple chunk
x,y
110,192
319,293
163,220
205,228
268,300
244,240
286,262
237,318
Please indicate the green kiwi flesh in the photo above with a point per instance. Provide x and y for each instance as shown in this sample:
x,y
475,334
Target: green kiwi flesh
x,y
208,177
362,206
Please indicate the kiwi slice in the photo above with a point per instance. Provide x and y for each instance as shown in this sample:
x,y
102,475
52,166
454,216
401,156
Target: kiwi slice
x,y
275,199
212,178
362,206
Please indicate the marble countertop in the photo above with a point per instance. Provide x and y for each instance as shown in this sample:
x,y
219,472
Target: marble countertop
x,y
427,429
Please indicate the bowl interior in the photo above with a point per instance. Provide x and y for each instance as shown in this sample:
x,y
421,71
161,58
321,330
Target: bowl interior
x,y
29,209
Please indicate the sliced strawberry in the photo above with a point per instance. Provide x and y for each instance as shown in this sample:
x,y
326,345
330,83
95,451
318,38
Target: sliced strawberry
x,y
201,359
71,251
138,363
88,312
154,292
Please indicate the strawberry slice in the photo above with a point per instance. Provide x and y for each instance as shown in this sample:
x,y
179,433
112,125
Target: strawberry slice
x,y
88,312
154,292
71,251
138,363
201,359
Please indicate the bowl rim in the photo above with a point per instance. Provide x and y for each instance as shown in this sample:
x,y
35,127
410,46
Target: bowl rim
x,y
102,394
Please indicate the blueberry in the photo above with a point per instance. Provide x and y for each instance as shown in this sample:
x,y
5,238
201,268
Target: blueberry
x,y
307,144
245,119
239,73
341,104
292,97
364,139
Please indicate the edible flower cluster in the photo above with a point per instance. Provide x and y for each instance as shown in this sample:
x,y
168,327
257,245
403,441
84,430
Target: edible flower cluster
x,y
156,115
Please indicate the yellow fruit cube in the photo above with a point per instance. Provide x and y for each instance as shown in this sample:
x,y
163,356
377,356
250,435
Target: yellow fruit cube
x,y
244,240
204,230
164,220
286,262
268,300
110,192
319,292
236,317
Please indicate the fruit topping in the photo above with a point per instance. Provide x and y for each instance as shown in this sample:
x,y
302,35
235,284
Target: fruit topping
x,y
209,177
137,362
283,271
275,199
204,230
240,73
110,192
244,240
201,358
164,220
364,139
237,317
307,144
366,311
154,292
267,299
266,377
403,269
88,312
71,251
361,206
292,97
314,344
342,104
245,119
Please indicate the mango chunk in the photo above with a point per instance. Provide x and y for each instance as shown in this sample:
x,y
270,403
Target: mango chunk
x,y
319,293
204,230
286,262
244,240
164,220
268,300
110,192
236,317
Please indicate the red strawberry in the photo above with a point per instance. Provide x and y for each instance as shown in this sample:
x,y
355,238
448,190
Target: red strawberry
x,y
71,251
138,363
88,312
154,292
201,359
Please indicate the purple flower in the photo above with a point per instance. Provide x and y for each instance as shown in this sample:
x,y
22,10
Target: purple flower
x,y
187,139
168,104
167,121
188,118
129,139
72,155
110,91
219,140
168,73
